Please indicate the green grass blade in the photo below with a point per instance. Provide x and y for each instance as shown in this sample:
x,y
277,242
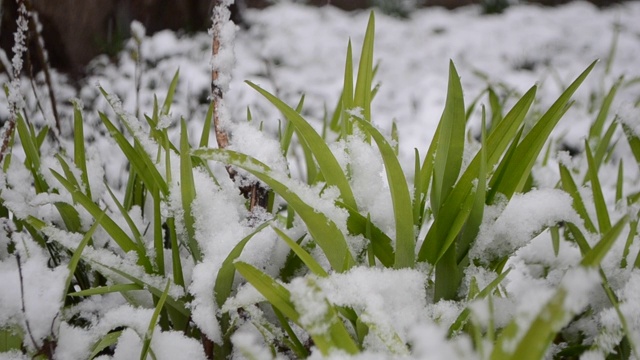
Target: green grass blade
x,y
496,143
472,225
109,289
166,106
604,144
224,280
79,151
496,108
32,154
346,101
176,263
306,258
501,172
602,213
538,337
176,305
593,257
127,218
450,147
553,316
464,315
530,147
77,253
336,336
285,139
11,338
188,191
158,238
579,238
276,294
329,166
620,181
633,231
555,239
569,185
146,344
28,144
381,243
598,125
362,95
634,141
108,340
401,199
324,231
296,345
394,138
417,195
140,160
206,128
117,234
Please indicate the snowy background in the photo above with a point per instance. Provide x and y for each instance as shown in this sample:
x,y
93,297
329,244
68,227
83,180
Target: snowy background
x,y
293,50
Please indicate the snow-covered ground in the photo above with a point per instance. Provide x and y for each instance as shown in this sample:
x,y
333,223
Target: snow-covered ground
x,y
293,50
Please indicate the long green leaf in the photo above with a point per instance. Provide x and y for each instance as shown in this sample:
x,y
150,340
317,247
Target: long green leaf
x,y
329,166
464,315
140,160
552,317
108,340
538,337
188,191
32,154
77,253
308,260
324,231
158,236
79,151
206,128
176,305
276,294
401,199
496,143
634,141
108,289
450,146
166,106
381,243
602,213
346,101
362,96
570,187
472,225
598,125
530,147
117,234
146,344
224,280
593,257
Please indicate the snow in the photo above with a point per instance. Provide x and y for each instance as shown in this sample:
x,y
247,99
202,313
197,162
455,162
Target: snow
x,y
292,49
26,286
505,230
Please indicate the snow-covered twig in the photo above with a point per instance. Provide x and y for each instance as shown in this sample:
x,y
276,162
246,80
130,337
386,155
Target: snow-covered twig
x,y
223,33
16,102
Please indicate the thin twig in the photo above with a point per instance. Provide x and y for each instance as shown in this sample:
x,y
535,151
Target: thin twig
x,y
44,61
24,308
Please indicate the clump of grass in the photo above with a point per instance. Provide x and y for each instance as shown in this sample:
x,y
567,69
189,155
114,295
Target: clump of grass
x,y
145,246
